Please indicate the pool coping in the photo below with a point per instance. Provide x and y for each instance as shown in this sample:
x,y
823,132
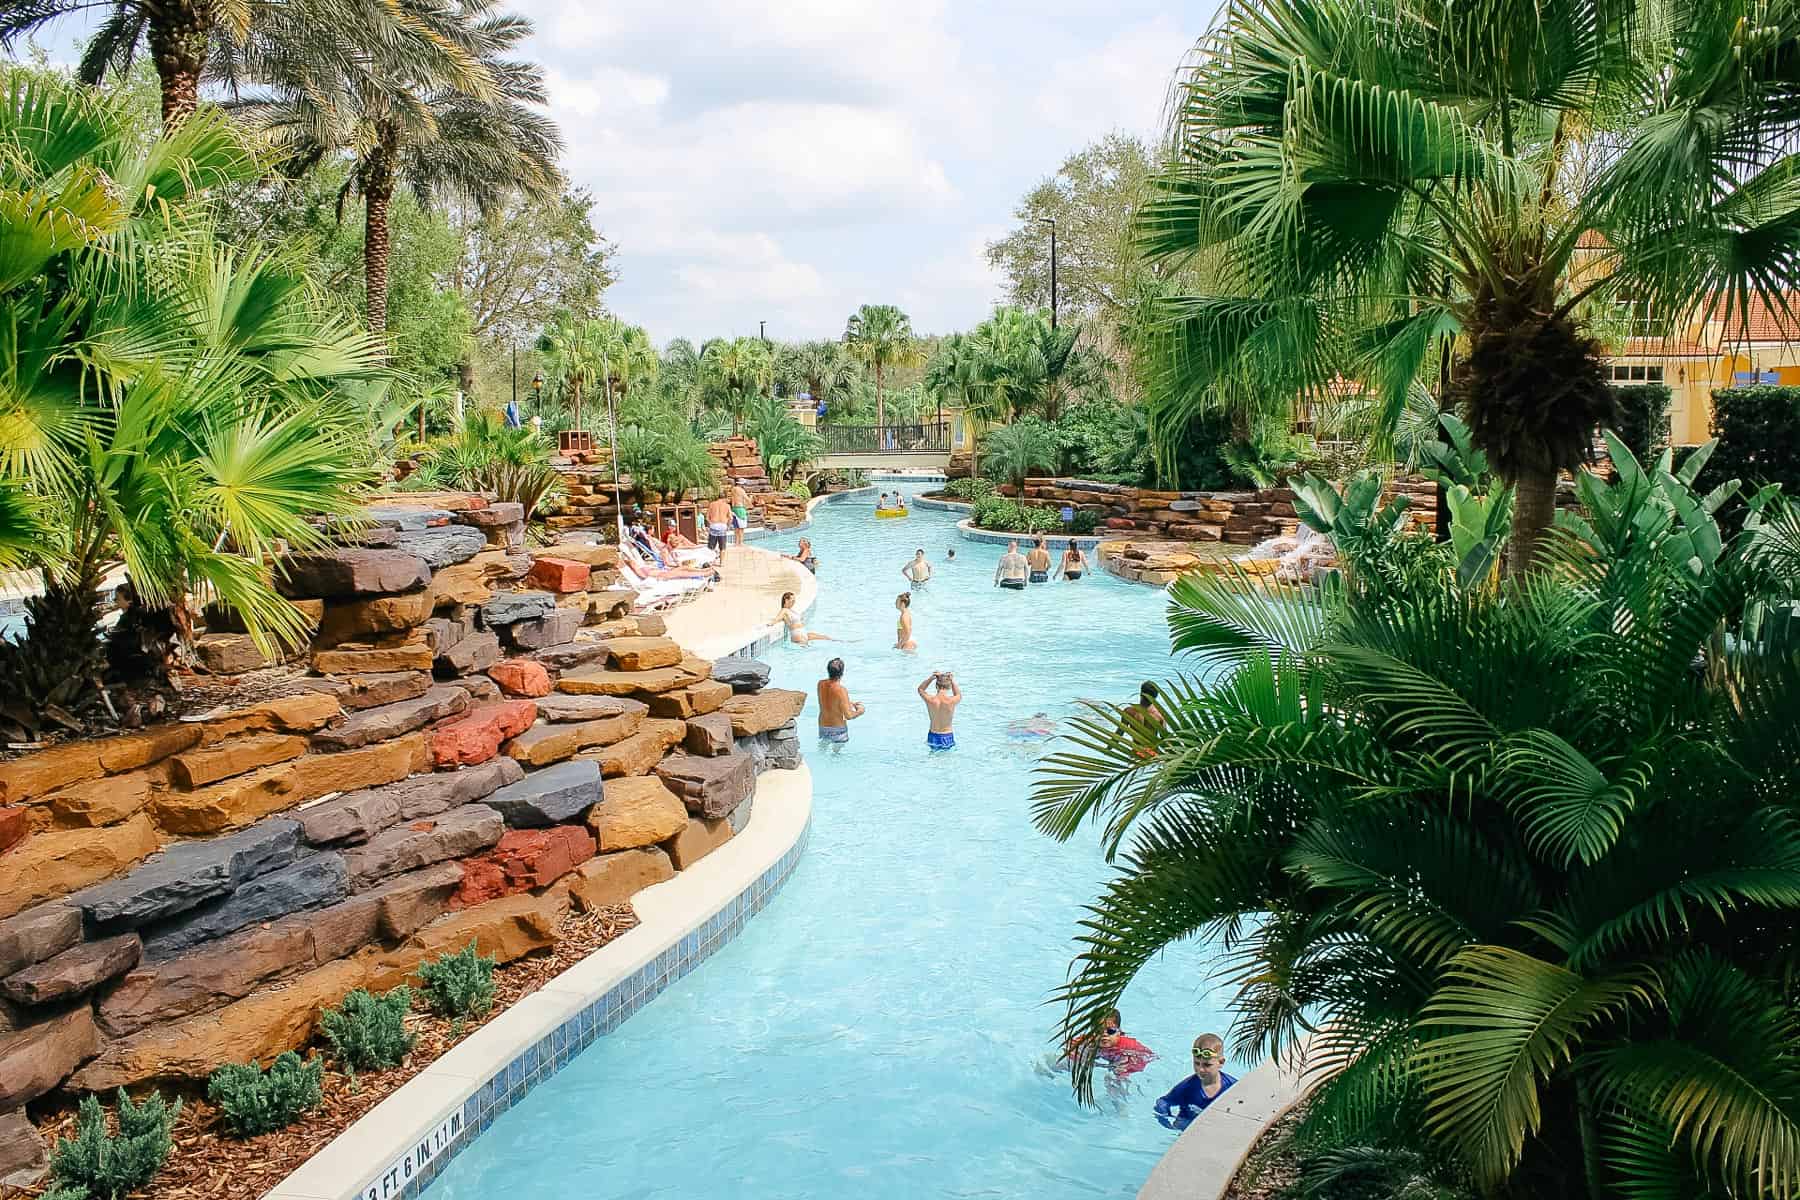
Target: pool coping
x,y
396,1149
1208,1154
1087,541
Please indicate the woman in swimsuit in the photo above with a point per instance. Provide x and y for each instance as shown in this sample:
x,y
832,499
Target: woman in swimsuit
x,y
796,632
1074,563
804,556
903,638
1039,562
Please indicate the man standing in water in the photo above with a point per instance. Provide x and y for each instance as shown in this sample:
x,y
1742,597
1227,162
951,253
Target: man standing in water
x,y
1039,562
918,571
718,523
740,510
836,709
1013,568
940,705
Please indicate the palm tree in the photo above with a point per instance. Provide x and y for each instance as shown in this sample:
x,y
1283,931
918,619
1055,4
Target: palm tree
x,y
171,403
823,370
573,347
784,444
1358,187
412,122
182,35
736,371
627,356
881,336
1453,830
954,375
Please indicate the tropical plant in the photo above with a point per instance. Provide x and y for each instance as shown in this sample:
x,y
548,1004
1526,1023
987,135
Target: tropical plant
x,y
784,444
973,488
108,1165
460,122
368,1032
1498,859
661,452
459,985
255,1101
485,455
823,370
1359,190
880,337
180,406
734,372
1020,449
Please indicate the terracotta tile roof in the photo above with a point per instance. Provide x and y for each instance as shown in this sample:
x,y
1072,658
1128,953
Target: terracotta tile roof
x,y
1760,321
1651,347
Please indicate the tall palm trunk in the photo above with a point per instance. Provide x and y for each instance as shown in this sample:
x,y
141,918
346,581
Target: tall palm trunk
x,y
1535,507
378,195
880,408
178,34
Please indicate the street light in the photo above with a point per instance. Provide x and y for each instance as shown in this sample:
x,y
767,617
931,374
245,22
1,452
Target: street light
x,y
537,391
1051,222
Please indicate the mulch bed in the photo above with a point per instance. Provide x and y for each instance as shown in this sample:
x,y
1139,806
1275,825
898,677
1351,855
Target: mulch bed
x,y
1271,1166
208,1162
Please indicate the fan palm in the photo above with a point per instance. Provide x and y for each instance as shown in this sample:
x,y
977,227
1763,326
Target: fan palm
x,y
414,121
573,348
784,444
824,371
1359,187
880,336
1020,449
174,404
627,357
1511,860
736,371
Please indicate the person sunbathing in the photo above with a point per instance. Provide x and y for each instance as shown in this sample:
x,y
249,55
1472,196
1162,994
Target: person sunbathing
x,y
672,537
632,555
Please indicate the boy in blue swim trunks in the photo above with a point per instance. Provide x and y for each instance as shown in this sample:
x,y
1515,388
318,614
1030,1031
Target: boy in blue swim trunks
x,y
940,704
1195,1094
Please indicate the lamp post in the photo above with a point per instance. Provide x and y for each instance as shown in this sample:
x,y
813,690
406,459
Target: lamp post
x,y
1051,222
515,377
537,392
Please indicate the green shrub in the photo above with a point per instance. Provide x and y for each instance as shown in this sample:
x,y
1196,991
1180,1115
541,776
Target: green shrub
x,y
1085,521
256,1101
459,985
1643,420
1758,429
107,1165
1010,516
368,1033
799,490
65,1192
971,489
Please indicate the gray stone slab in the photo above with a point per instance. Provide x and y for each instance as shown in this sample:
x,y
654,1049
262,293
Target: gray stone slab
x,y
407,519
189,873
359,816
390,721
442,547
310,883
570,654
562,707
743,674
476,652
552,629
456,834
508,607
551,796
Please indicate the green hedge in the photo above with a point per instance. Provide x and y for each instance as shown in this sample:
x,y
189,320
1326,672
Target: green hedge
x,y
1643,422
1758,429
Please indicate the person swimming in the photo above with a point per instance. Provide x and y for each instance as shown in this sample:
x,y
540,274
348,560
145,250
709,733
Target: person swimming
x,y
1038,727
1120,1054
1074,563
796,632
903,638
1039,562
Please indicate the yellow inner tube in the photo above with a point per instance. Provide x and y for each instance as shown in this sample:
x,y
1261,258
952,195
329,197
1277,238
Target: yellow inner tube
x,y
891,512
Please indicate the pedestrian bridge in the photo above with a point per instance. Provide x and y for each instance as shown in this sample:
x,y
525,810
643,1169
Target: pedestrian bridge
x,y
885,447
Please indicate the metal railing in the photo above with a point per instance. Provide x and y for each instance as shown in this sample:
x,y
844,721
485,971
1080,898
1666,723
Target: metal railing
x,y
886,439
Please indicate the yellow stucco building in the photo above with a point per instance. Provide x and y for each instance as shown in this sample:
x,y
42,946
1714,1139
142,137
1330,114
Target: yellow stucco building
x,y
1714,352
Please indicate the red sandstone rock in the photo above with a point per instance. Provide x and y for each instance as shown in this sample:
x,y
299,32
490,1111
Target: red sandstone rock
x,y
477,737
13,826
521,677
525,859
559,575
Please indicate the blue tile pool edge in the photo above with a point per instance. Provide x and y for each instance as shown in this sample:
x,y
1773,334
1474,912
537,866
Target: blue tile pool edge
x,y
414,1157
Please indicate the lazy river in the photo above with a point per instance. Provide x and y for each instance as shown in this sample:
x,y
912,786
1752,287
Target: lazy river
x,y
875,1031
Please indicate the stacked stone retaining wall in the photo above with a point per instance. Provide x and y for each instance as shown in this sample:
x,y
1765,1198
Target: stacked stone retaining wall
x,y
594,504
1235,518
472,745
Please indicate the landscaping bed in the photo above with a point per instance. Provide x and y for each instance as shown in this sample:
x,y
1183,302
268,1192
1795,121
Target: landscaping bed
x,y
208,1162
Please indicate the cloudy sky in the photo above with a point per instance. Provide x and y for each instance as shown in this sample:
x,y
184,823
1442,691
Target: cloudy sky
x,y
792,163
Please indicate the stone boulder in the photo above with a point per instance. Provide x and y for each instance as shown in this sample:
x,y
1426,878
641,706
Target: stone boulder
x,y
360,815
102,801
189,873
521,677
75,972
441,547
15,823
494,516
570,654
759,712
390,721
310,883
709,786
549,797
477,652
23,1156
592,555
523,860
504,929
604,681
699,839
371,691
743,674
480,688
508,607
696,699
558,574
476,737
709,734
376,616
562,708
441,633
456,834
36,934
343,573
552,629
643,653
209,764
237,802
610,880
637,754
637,811
206,978
40,1056
542,745
361,658
415,899
230,654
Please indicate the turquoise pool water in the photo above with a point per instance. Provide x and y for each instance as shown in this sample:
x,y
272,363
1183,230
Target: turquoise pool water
x,y
874,1032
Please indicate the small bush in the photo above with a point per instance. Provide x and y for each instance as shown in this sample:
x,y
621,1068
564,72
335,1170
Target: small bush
x,y
368,1033
256,1101
106,1165
1759,440
1009,516
459,985
1643,422
799,490
971,489
65,1192
1084,522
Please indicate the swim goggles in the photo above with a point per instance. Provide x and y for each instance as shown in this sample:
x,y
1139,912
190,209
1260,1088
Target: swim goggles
x,y
1207,1054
